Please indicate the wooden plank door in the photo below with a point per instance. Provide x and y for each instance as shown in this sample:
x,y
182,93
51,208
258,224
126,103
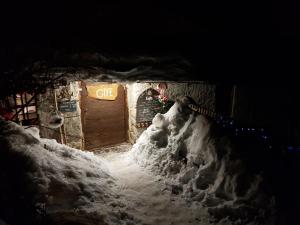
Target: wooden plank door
x,y
104,121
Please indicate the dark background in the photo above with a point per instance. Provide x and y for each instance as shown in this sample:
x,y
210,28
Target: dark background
x,y
229,41
254,44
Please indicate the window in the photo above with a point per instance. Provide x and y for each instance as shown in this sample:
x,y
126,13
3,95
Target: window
x,y
25,107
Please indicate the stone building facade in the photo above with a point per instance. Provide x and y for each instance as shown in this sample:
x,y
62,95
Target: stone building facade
x,y
64,100
142,105
202,93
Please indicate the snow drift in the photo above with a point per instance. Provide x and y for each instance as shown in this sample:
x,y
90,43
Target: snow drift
x,y
43,182
206,166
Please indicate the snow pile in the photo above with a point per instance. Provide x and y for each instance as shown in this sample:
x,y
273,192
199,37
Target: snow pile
x,y
205,166
42,180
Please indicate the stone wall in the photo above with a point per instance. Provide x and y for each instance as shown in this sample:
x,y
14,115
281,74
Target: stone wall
x,y
72,128
134,90
72,120
202,93
46,108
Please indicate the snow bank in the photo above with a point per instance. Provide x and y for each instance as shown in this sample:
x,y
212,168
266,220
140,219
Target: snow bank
x,y
205,165
42,180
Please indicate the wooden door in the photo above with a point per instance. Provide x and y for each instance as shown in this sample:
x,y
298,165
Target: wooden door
x,y
104,121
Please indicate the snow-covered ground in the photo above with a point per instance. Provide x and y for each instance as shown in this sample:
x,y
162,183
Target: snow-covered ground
x,y
179,172
146,195
44,182
206,167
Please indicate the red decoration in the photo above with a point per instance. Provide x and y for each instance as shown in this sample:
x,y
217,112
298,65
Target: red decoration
x,y
5,114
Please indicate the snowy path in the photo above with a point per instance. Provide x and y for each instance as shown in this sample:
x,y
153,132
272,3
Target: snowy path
x,y
146,196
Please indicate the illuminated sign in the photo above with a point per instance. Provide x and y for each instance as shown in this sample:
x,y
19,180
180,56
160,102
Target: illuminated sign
x,y
103,91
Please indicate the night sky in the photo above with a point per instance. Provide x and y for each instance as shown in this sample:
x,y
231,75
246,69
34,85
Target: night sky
x,y
246,39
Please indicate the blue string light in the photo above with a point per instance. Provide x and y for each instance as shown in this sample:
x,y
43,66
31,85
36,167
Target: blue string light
x,y
261,134
293,149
